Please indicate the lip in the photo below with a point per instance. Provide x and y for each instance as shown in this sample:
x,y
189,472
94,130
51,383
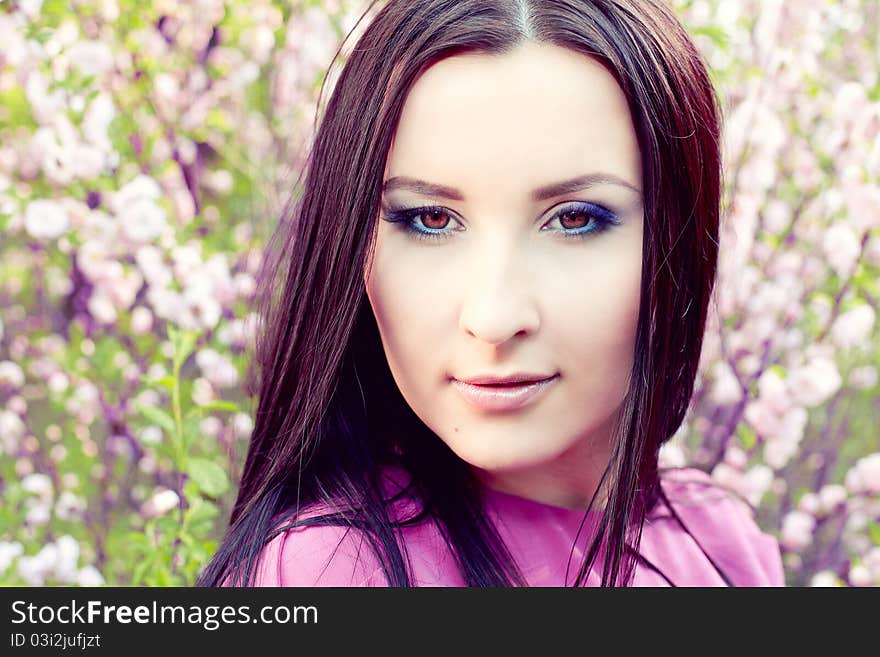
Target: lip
x,y
516,377
503,398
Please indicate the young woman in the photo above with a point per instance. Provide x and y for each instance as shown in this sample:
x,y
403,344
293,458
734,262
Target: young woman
x,y
485,314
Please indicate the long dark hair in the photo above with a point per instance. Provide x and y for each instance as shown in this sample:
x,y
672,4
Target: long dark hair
x,y
330,416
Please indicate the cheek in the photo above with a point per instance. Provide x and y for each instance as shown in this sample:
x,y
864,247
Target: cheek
x,y
412,311
595,329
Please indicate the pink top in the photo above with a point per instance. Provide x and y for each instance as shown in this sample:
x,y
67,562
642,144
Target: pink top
x,y
540,538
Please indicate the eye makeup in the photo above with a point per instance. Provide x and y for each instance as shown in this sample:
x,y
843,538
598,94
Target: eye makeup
x,y
598,219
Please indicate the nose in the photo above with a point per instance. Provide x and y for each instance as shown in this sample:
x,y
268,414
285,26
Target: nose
x,y
498,302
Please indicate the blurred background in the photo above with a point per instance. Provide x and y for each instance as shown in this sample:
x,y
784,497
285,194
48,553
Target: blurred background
x,y
146,150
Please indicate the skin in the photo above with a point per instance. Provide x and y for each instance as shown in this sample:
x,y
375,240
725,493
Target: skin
x,y
509,287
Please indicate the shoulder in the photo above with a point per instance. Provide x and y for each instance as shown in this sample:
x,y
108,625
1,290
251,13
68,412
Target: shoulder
x,y
328,555
725,527
318,555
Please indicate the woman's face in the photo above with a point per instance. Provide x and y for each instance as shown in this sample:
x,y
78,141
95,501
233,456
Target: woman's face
x,y
529,261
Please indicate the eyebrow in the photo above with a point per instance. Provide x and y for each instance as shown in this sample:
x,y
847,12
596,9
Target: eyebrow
x,y
552,190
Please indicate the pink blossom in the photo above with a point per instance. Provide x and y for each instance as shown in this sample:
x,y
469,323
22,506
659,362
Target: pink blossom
x,y
151,435
725,389
91,57
872,562
101,307
245,285
210,426
860,576
863,205
831,496
772,389
141,320
814,383
849,100
763,419
216,368
864,475
797,530
44,105
777,216
757,481
170,305
37,514
219,181
203,392
853,327
736,457
96,121
809,503
187,259
259,42
841,248
57,382
243,425
872,250
152,265
69,506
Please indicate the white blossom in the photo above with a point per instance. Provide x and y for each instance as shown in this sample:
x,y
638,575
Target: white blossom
x,y
91,57
824,578
162,501
89,576
11,374
46,219
12,430
38,484
9,551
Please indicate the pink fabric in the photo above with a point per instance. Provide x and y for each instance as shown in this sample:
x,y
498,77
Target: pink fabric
x,y
540,538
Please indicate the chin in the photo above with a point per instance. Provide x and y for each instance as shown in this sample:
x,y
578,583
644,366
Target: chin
x,y
500,458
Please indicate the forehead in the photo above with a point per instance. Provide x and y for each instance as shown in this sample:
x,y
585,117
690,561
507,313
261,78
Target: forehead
x,y
534,114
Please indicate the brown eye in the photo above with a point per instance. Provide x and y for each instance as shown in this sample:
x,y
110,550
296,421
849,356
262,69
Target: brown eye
x,y
435,220
575,219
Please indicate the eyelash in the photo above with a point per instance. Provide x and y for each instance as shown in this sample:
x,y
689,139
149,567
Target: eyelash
x,y
602,220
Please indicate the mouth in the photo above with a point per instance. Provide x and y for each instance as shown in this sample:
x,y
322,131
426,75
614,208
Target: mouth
x,y
500,396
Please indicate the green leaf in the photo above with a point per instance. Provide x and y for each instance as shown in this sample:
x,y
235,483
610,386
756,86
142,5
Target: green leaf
x,y
209,476
157,416
874,531
166,382
184,342
217,405
140,570
747,437
200,511
198,518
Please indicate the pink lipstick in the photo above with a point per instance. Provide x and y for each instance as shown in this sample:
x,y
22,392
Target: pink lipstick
x,y
503,397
